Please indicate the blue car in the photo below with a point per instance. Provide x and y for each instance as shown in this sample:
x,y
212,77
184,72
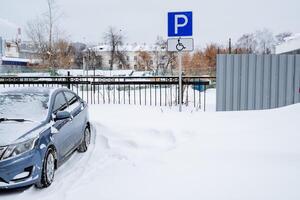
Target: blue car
x,y
39,129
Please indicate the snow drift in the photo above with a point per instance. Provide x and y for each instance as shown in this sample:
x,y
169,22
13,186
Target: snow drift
x,y
151,153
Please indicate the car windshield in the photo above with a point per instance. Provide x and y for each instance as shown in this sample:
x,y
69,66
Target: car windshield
x,y
20,105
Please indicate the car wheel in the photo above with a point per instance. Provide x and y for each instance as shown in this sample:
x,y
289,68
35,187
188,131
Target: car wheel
x,y
83,147
48,170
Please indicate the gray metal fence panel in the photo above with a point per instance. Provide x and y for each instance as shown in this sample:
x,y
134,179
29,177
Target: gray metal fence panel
x,y
253,82
259,82
290,80
297,79
236,82
229,83
218,100
274,81
244,82
282,80
267,82
221,84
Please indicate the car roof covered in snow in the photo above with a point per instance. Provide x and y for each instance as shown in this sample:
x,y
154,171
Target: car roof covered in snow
x,y
41,90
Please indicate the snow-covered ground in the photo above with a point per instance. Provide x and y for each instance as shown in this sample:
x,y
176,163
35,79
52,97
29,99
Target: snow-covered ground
x,y
158,153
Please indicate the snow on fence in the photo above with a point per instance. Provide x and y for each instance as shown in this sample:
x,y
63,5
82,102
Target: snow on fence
x,y
153,91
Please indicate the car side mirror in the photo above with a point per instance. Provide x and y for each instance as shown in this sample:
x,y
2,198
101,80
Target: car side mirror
x,y
61,115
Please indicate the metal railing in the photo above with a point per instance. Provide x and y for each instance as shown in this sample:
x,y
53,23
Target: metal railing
x,y
153,91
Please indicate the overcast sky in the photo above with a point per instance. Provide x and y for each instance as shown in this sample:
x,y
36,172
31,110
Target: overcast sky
x,y
143,20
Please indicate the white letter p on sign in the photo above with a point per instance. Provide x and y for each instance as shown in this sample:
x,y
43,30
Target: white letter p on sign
x,y
180,25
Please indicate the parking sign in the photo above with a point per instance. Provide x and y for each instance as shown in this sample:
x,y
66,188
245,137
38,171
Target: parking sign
x,y
180,24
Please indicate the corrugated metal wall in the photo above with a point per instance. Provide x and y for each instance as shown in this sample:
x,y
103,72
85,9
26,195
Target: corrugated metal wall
x,y
255,82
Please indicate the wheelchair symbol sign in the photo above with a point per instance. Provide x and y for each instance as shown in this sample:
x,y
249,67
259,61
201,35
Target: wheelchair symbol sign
x,y
180,44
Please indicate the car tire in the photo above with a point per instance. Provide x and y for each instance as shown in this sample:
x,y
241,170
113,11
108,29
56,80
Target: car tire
x,y
48,169
83,147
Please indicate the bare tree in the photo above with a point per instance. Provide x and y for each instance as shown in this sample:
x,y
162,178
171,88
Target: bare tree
x,y
265,40
248,42
37,34
165,61
44,32
261,41
144,60
198,63
186,60
62,54
115,39
51,19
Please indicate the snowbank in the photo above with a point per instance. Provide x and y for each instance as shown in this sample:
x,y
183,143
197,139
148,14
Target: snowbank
x,y
153,153
79,72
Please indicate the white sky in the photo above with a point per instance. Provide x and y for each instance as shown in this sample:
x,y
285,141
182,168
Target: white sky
x,y
142,21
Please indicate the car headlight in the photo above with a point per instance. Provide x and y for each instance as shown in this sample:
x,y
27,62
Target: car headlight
x,y
20,148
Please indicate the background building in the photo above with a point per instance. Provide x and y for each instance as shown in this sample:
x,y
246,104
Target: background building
x,y
135,56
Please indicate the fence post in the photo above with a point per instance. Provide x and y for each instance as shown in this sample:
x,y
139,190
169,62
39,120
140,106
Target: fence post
x,y
68,80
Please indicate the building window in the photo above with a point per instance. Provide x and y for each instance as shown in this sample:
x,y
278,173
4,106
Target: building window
x,y
127,58
135,58
151,62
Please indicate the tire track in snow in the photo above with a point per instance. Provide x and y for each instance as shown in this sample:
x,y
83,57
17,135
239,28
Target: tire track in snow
x,y
72,174
108,147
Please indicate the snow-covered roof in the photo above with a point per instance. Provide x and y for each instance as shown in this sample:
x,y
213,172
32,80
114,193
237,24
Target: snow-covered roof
x,y
291,44
15,59
293,37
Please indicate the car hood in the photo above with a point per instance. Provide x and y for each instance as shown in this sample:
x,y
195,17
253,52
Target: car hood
x,y
12,131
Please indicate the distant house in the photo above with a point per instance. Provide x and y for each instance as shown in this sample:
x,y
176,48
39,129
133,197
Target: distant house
x,y
28,50
18,53
132,56
11,50
290,46
11,55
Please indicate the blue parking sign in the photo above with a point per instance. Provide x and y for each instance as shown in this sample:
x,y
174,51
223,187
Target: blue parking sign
x,y
180,24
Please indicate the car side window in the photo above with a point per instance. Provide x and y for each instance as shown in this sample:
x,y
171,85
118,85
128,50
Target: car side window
x,y
73,101
60,103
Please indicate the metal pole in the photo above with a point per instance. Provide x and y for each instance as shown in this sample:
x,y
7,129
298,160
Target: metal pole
x,y
229,45
180,80
83,65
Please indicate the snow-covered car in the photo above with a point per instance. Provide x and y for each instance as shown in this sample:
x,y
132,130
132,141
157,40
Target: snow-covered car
x,y
39,129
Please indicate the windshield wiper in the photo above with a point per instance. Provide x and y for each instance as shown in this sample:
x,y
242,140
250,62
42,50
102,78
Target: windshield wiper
x,y
15,120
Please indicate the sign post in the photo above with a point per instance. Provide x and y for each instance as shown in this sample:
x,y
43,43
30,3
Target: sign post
x,y
180,80
180,24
